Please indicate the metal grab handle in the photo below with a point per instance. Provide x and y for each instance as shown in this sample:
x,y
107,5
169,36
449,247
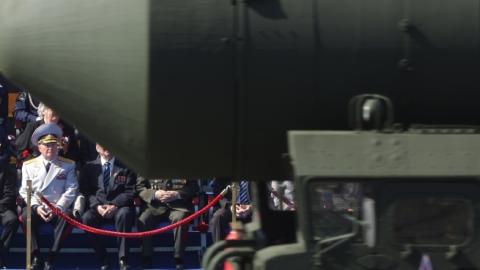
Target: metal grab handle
x,y
355,107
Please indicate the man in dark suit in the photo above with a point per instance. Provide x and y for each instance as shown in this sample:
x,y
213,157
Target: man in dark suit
x,y
8,194
222,217
162,199
109,188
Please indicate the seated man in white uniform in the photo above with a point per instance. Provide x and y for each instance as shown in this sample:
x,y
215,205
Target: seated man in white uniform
x,y
55,178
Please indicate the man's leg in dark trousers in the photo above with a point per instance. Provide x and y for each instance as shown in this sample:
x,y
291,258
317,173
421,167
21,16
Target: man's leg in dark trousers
x,y
147,221
220,223
93,219
60,225
10,225
36,222
123,223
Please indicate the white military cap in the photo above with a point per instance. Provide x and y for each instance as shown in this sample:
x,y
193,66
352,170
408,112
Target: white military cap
x,y
47,133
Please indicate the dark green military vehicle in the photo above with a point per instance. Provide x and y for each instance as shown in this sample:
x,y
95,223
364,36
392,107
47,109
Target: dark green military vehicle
x,y
249,89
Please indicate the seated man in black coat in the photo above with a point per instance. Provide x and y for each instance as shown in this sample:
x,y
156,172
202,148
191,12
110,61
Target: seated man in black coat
x,y
8,194
109,188
222,217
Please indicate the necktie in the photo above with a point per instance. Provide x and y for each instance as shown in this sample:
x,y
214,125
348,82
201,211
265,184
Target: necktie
x,y
106,175
47,166
243,196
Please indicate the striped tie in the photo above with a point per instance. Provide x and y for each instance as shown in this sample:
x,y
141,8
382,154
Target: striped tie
x,y
243,196
106,176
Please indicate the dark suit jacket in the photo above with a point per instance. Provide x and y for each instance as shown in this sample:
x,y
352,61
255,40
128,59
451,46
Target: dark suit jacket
x,y
219,184
121,190
8,188
5,148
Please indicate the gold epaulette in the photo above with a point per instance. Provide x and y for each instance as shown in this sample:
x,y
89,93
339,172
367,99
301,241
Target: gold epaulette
x,y
66,160
26,162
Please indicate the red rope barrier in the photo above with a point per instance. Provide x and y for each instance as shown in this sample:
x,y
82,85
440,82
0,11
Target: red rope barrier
x,y
94,230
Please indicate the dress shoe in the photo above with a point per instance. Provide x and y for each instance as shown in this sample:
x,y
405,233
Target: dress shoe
x,y
36,263
178,264
147,262
123,264
48,265
105,263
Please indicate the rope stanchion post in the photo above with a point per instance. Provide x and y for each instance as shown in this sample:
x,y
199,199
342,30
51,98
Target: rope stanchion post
x,y
235,191
28,249
237,231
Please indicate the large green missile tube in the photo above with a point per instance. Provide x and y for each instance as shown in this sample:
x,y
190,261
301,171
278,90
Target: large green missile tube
x,y
210,87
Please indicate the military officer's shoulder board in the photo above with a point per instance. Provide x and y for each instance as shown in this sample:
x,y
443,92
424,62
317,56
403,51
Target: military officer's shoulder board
x,y
66,160
179,181
31,161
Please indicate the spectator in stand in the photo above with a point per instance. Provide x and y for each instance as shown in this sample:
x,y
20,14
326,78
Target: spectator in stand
x,y
55,177
25,110
8,194
109,188
282,195
222,217
3,101
26,149
165,199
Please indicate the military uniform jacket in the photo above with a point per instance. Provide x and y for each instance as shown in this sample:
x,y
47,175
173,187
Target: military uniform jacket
x,y
121,189
59,185
187,189
25,111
